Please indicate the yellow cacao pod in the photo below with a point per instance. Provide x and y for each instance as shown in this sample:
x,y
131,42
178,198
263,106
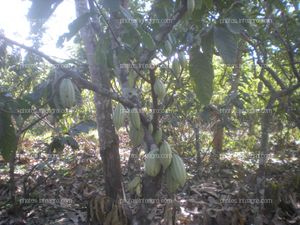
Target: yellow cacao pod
x,y
135,118
171,184
119,116
67,93
152,164
190,6
165,155
177,170
159,89
157,136
176,67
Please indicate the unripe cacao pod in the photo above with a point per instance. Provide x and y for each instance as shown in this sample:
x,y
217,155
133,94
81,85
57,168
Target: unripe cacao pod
x,y
152,164
177,170
138,190
157,136
131,79
159,89
176,67
67,93
171,184
165,155
136,135
182,59
190,6
135,118
150,128
134,183
119,116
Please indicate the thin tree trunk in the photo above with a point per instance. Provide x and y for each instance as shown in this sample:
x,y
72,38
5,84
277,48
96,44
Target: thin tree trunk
x,y
264,150
197,143
108,138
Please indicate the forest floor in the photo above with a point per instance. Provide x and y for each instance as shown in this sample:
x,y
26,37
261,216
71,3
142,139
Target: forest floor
x,y
55,189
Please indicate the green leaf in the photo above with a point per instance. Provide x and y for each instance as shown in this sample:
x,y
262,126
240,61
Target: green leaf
x,y
202,74
8,138
207,42
74,28
236,21
112,5
226,44
129,18
42,9
208,3
198,4
147,40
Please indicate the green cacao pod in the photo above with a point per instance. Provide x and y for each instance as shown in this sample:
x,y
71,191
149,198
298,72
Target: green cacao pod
x,y
159,89
176,67
135,118
136,136
119,116
171,184
165,155
177,170
131,79
134,183
138,190
152,164
150,128
190,6
182,59
157,136
67,93
168,47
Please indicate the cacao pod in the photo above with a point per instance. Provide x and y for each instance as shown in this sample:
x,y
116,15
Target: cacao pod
x,y
131,79
150,128
152,164
190,6
136,135
159,89
134,183
119,116
177,170
182,59
165,155
168,47
138,190
67,93
171,184
157,136
176,67
135,118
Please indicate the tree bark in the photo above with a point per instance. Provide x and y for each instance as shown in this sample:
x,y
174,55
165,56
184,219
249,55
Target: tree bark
x,y
108,138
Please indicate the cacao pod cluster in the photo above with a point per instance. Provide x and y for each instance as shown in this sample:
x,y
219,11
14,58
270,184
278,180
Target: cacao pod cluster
x,y
171,163
67,93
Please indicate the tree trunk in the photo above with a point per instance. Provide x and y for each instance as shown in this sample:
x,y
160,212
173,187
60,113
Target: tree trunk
x,y
108,138
264,151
